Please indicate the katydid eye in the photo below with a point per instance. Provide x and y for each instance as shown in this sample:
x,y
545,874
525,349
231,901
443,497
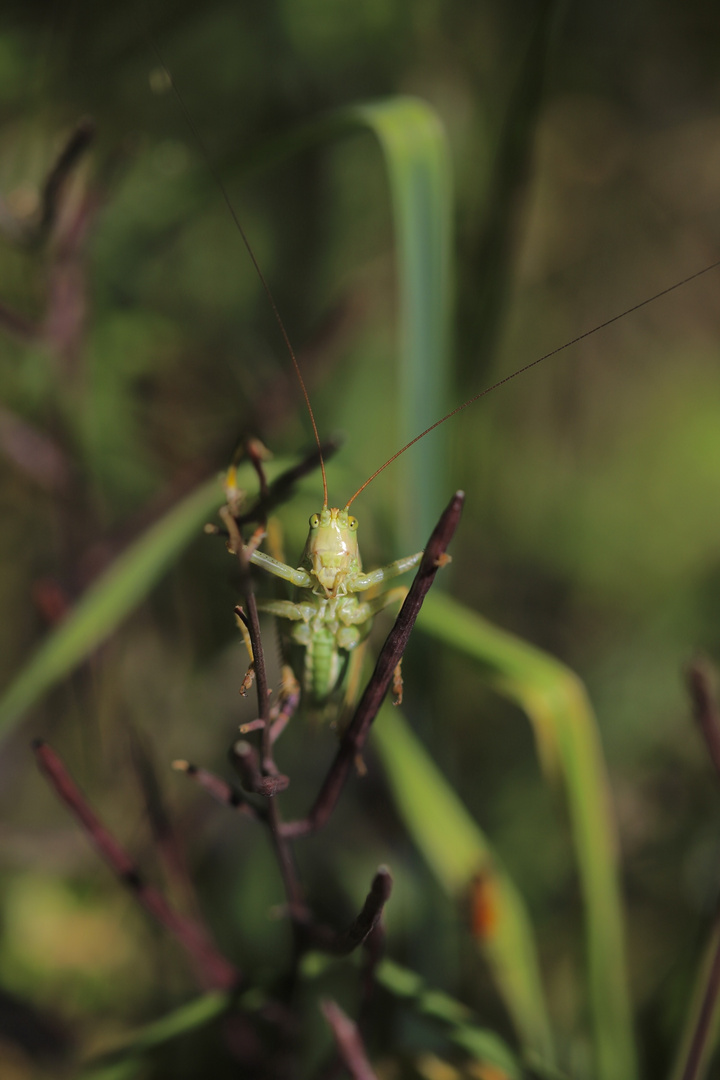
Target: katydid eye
x,y
314,521
352,522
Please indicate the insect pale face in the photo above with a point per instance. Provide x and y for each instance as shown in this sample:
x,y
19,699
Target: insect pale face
x,y
331,551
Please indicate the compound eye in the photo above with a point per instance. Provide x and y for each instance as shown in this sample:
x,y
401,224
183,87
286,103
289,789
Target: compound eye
x,y
314,521
352,523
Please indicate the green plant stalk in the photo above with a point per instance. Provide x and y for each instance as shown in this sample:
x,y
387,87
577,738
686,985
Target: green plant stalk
x,y
417,160
485,1046
115,594
457,852
566,735
700,1031
125,1058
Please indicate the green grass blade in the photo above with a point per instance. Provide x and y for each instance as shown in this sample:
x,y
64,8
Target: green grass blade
x,y
457,851
114,595
509,159
566,733
108,601
460,1024
125,1059
417,159
699,1038
484,1045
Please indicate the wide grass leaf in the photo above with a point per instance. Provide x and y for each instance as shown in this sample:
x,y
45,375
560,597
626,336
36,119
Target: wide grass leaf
x,y
417,159
114,595
566,733
460,856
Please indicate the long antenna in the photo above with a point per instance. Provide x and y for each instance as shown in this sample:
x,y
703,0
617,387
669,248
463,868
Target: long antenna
x,y
532,364
238,225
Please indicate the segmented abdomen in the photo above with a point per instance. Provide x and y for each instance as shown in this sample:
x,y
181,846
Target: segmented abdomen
x,y
323,666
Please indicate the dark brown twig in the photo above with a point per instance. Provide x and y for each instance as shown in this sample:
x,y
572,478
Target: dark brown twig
x,y
353,741
213,970
257,453
704,1017
39,456
370,915
374,950
221,791
270,777
167,839
17,326
245,759
701,682
282,487
363,925
348,1041
32,231
76,146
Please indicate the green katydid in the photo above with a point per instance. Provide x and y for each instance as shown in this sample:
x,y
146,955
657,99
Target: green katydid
x,y
328,619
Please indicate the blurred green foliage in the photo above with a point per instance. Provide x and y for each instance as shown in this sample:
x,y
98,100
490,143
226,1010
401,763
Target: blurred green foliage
x,y
584,142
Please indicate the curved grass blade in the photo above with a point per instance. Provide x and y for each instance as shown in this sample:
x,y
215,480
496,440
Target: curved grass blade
x,y
699,1038
484,1045
417,159
458,854
112,597
566,734
108,601
459,1023
126,1059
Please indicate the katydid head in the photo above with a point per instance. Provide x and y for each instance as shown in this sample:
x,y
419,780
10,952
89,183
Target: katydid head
x,y
331,550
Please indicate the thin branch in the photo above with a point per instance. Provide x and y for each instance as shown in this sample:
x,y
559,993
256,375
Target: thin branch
x,y
374,951
270,782
39,456
257,453
245,759
363,925
353,741
76,146
213,970
167,839
370,914
348,1041
695,1063
18,326
282,487
219,789
701,681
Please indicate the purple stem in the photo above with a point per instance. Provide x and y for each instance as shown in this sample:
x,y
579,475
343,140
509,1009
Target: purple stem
x,y
213,970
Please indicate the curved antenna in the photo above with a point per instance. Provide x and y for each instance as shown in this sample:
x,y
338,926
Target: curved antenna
x,y
532,364
238,225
